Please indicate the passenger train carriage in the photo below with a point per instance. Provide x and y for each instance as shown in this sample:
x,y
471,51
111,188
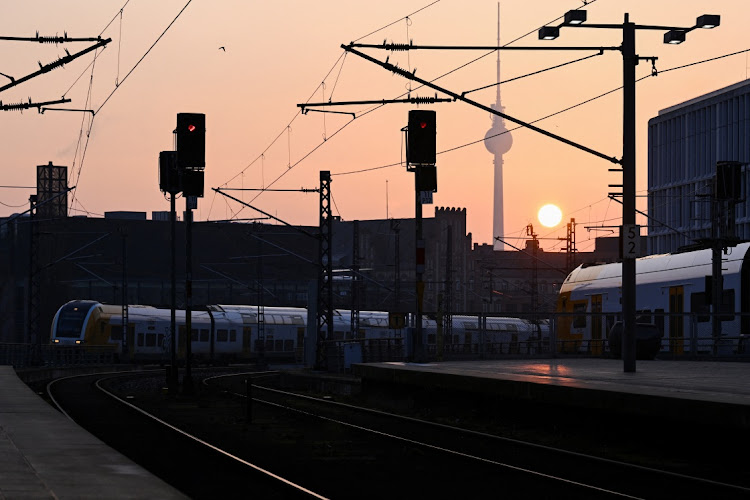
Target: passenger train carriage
x,y
670,293
231,331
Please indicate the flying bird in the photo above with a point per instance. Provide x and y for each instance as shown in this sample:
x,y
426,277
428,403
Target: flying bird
x,y
222,48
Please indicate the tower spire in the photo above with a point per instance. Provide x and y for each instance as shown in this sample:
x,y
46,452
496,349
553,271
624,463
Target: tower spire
x,y
498,141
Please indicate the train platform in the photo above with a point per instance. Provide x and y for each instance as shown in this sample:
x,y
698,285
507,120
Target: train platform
x,y
45,455
705,392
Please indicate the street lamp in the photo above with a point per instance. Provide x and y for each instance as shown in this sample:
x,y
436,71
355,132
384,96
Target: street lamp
x,y
630,231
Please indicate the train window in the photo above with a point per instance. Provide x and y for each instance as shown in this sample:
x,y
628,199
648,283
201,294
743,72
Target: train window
x,y
579,321
116,333
288,345
727,305
659,319
233,335
160,340
643,316
221,335
269,345
150,339
204,335
193,335
140,339
698,306
279,345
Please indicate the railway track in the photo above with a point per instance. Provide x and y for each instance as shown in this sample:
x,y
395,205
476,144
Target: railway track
x,y
340,450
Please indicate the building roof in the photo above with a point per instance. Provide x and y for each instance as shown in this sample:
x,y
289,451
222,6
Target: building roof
x,y
704,97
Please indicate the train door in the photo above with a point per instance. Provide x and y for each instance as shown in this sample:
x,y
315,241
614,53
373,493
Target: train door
x,y
247,336
181,339
596,324
676,319
299,346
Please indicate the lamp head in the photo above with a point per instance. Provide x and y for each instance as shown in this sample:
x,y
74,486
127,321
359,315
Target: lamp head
x,y
549,32
575,17
708,21
674,37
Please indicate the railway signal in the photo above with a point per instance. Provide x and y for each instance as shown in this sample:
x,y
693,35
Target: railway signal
x,y
421,137
191,141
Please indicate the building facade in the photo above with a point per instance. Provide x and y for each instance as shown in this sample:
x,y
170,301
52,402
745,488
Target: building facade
x,y
685,142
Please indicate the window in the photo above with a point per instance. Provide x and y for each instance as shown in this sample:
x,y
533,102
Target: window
x,y
233,335
116,333
579,321
193,335
222,335
643,316
150,339
140,339
698,306
727,305
204,335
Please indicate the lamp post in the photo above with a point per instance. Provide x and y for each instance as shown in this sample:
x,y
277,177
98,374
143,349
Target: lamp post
x,y
630,231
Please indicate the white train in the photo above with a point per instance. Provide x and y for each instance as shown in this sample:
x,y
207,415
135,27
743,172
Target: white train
x,y
670,293
231,331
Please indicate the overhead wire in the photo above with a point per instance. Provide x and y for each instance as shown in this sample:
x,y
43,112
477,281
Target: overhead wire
x,y
290,167
144,55
117,83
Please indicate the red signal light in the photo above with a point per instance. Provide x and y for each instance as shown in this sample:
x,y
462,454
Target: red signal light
x,y
191,127
423,124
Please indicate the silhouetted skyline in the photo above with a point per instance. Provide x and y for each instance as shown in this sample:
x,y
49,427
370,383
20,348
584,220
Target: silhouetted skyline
x,y
276,54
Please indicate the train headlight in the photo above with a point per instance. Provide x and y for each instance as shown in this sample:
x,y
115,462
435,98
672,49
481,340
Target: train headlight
x,y
79,341
56,341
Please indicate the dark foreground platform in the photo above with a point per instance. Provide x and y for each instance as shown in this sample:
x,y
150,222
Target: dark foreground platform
x,y
44,455
709,393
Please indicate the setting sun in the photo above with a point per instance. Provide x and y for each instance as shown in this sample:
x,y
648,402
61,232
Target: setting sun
x,y
549,215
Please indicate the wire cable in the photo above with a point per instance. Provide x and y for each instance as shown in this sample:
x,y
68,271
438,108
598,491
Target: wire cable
x,y
144,55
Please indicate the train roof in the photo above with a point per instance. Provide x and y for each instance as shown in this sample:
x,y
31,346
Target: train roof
x,y
658,268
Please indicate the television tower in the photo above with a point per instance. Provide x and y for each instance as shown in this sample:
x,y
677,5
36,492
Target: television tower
x,y
498,142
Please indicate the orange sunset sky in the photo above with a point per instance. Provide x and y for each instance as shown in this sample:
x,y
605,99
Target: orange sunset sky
x,y
281,53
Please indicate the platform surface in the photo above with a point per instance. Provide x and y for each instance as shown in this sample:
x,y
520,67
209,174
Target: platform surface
x,y
719,391
45,455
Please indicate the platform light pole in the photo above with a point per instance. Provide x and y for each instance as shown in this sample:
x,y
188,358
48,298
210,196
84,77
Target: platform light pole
x,y
630,231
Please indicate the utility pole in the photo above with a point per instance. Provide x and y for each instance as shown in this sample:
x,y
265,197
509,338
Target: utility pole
x,y
261,306
726,193
325,271
173,378
448,298
420,159
630,231
125,319
191,202
534,267
570,246
33,289
354,319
